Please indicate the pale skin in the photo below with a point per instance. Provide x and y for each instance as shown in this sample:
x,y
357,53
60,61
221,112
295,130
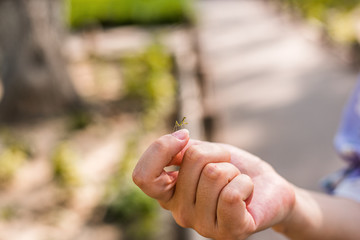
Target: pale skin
x,y
226,193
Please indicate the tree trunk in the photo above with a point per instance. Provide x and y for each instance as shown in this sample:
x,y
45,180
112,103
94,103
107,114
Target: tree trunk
x,y
32,69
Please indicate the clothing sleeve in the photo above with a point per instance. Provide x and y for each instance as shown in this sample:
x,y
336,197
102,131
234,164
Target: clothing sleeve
x,y
346,182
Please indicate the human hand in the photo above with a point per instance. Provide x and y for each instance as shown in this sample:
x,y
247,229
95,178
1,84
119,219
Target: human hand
x,y
273,197
211,195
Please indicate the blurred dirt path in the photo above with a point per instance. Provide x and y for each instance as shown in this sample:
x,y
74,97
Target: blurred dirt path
x,y
274,89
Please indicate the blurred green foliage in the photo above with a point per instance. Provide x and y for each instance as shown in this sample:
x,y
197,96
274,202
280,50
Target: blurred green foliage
x,y
149,77
122,177
14,153
13,141
118,12
11,158
8,213
126,204
135,212
79,120
64,169
336,17
320,9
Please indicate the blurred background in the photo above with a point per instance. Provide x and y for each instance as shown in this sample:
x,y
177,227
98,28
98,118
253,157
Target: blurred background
x,y
86,85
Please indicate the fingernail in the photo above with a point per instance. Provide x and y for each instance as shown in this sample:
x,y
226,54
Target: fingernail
x,y
181,134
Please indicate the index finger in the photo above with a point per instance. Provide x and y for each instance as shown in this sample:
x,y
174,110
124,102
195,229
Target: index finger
x,y
149,173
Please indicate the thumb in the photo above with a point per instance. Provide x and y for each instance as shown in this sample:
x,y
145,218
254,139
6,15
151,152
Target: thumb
x,y
149,173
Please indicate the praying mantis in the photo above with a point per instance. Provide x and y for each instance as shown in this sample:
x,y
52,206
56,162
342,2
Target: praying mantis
x,y
180,125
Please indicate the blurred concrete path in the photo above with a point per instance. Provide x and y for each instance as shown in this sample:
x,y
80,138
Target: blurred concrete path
x,y
274,90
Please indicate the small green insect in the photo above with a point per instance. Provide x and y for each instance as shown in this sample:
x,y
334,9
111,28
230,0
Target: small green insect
x,y
180,125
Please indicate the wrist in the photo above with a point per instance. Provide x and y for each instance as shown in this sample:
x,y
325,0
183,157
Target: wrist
x,y
303,217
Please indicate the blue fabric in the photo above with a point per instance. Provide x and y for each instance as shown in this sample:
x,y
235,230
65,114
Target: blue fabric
x,y
346,182
347,140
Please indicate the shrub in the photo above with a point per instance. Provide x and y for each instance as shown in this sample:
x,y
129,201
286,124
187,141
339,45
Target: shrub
x,y
119,12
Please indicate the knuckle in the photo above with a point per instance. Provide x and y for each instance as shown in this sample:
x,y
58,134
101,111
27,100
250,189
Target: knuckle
x,y
247,180
231,169
160,145
212,172
230,196
138,178
220,171
195,154
207,152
